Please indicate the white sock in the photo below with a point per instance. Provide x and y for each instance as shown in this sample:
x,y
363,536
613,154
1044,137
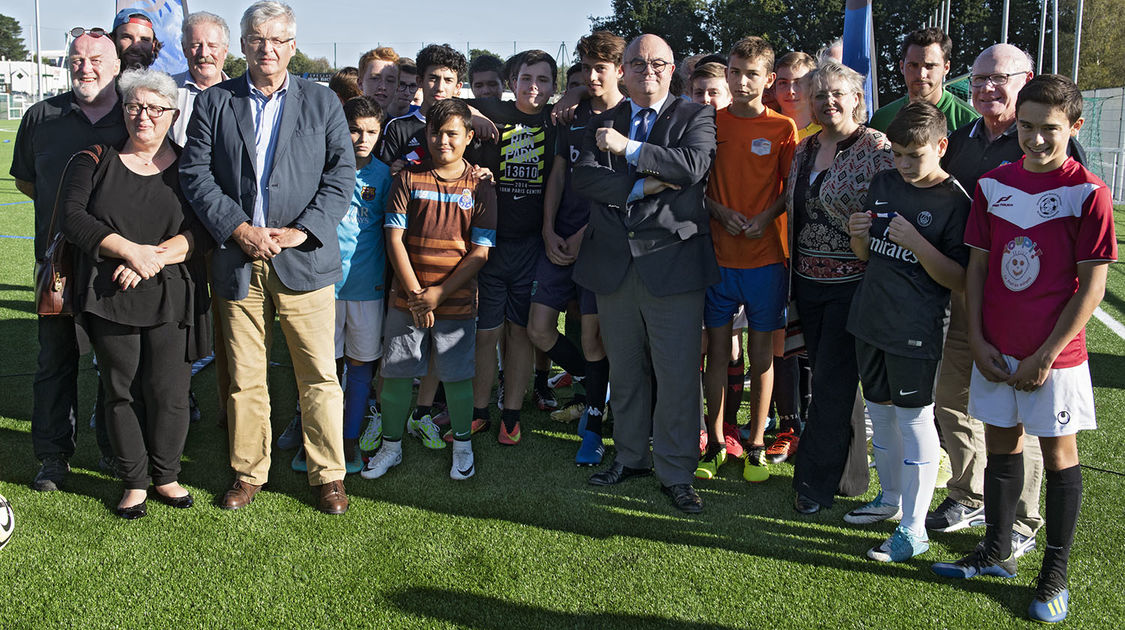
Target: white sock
x,y
460,446
392,445
887,444
920,453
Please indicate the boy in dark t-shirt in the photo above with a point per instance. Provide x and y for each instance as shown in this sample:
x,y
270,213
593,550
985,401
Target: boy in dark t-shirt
x,y
440,69
520,160
565,215
911,238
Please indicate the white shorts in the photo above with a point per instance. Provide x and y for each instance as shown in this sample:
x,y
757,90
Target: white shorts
x,y
359,329
1063,405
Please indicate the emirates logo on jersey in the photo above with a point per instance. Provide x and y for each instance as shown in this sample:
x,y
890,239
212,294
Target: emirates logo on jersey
x,y
1019,266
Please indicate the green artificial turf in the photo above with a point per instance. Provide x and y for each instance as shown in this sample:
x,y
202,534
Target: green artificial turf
x,y
526,543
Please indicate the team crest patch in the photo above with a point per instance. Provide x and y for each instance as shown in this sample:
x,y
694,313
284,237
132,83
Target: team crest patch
x,y
1049,205
925,218
761,146
466,200
1019,266
367,193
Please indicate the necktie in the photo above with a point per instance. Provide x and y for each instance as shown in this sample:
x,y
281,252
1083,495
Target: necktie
x,y
642,126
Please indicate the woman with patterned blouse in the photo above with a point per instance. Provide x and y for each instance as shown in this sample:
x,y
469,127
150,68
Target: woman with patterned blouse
x,y
827,183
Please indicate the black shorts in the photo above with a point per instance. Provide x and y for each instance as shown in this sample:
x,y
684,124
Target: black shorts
x,y
905,381
554,287
504,283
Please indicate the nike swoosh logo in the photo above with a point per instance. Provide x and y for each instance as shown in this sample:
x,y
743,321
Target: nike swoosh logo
x,y
573,128
881,203
468,471
902,393
518,197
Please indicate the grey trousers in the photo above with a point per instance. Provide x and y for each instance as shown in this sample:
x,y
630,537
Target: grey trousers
x,y
654,341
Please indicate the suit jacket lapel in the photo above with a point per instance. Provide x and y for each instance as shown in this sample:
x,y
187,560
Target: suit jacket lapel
x,y
245,117
289,115
660,125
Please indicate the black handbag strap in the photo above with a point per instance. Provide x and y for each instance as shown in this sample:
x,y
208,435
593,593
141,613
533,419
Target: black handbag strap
x,y
95,152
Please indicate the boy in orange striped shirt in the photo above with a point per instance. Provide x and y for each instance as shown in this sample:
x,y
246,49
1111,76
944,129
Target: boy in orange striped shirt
x,y
440,224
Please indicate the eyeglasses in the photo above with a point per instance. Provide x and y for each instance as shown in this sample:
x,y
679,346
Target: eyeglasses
x,y
407,87
153,111
999,79
640,65
79,31
255,41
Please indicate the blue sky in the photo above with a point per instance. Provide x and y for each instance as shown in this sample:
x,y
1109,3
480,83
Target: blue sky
x,y
357,26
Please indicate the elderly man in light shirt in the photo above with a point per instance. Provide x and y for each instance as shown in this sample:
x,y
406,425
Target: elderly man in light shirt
x,y
205,39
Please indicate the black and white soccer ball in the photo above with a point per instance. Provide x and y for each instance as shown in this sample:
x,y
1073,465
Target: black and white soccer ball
x,y
7,522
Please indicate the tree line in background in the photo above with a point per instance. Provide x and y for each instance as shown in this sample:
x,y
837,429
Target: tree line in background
x,y
701,26
704,26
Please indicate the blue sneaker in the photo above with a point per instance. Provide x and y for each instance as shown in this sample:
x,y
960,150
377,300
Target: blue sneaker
x,y
1052,599
292,436
900,547
300,464
976,564
591,451
354,462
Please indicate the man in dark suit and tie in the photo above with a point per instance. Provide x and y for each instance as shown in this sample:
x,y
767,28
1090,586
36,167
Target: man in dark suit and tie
x,y
269,169
647,254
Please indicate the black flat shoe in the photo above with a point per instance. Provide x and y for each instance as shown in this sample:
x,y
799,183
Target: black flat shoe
x,y
684,497
133,512
616,473
181,503
806,505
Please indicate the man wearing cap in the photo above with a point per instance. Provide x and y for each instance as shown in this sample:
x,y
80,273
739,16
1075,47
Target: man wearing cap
x,y
135,38
51,131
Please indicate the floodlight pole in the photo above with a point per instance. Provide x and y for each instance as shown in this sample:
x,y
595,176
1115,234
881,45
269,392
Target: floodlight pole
x,y
1042,35
1055,37
1077,43
38,58
1004,23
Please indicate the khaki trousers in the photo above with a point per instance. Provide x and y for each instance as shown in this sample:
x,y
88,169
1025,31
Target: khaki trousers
x,y
963,436
307,321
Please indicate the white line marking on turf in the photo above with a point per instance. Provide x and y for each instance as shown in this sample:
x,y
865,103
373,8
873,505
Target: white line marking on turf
x,y
1110,323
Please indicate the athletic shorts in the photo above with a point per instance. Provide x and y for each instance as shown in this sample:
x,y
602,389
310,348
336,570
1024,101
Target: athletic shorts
x,y
408,348
764,291
504,283
554,287
1063,405
905,381
359,329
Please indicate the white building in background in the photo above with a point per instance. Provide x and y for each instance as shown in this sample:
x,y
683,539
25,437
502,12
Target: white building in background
x,y
19,76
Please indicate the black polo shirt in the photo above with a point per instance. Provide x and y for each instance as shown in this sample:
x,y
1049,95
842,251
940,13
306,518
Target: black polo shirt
x,y
51,131
971,155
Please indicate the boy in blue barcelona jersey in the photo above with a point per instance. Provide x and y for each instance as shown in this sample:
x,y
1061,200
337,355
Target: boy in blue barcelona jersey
x,y
359,295
911,237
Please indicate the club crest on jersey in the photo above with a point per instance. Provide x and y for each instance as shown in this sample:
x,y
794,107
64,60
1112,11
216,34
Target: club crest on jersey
x,y
761,146
1019,266
1049,205
466,200
925,218
367,193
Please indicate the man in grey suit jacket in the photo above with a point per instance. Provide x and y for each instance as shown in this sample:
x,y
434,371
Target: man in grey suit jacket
x,y
647,254
269,169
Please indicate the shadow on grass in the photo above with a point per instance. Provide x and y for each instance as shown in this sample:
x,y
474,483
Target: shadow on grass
x,y
1107,370
467,610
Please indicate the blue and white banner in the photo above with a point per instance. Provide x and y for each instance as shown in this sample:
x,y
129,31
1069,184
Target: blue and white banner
x,y
859,47
169,15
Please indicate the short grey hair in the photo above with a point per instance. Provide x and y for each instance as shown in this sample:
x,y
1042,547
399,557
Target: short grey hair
x,y
203,17
261,12
147,79
1015,53
853,81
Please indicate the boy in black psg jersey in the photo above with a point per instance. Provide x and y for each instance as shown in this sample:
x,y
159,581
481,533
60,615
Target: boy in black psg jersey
x,y
565,215
911,236
520,161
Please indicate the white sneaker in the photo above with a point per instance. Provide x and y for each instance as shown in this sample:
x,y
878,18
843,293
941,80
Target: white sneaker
x,y
464,465
874,512
383,460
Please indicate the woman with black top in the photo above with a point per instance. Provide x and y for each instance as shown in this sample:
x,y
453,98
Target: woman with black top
x,y
828,181
140,291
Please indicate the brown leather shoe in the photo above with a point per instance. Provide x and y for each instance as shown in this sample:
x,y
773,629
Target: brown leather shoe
x,y
333,499
240,495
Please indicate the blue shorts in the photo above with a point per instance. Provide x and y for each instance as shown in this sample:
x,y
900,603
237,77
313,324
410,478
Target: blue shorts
x,y
763,290
554,287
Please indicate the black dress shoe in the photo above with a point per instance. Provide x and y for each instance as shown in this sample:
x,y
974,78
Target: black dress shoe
x,y
133,512
806,505
180,503
684,497
616,473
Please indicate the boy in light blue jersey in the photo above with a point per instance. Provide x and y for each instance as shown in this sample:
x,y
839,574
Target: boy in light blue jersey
x,y
359,295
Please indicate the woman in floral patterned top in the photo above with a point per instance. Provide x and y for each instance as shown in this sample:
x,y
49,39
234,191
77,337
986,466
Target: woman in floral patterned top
x,y
827,183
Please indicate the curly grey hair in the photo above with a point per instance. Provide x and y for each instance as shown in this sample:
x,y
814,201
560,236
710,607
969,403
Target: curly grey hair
x,y
147,79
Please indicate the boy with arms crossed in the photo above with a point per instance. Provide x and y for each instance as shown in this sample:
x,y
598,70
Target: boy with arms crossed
x,y
440,224
749,228
911,236
565,216
1041,233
